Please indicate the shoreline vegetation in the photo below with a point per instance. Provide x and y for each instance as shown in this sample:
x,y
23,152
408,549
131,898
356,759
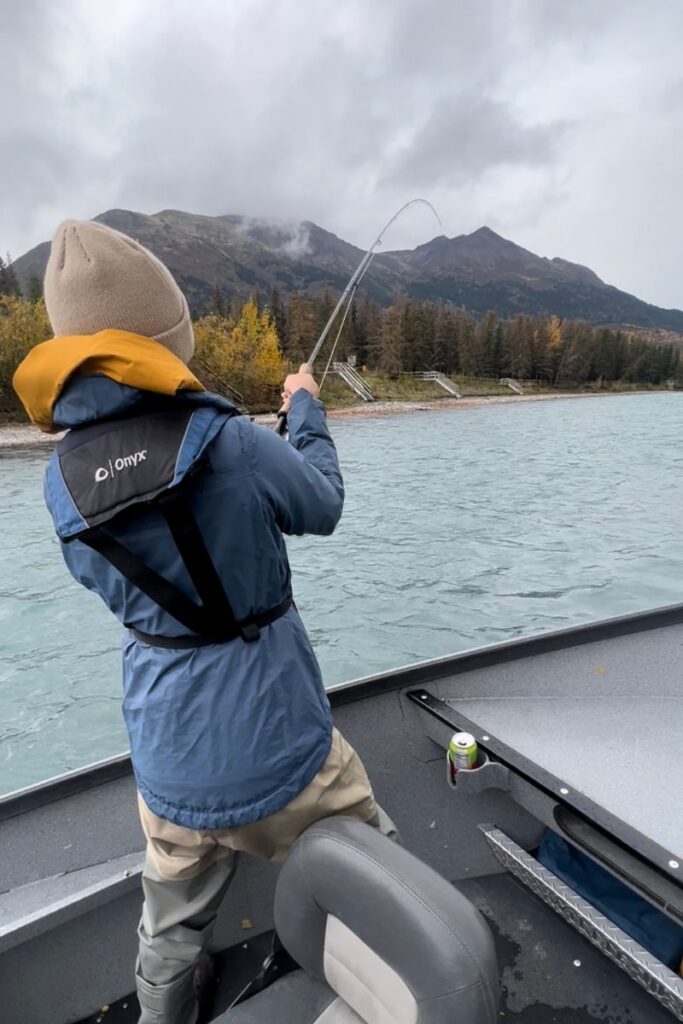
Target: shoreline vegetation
x,y
244,351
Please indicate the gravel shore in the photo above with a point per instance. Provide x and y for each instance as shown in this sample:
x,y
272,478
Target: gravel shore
x,y
391,408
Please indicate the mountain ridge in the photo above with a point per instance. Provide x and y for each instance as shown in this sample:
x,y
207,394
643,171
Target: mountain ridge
x,y
480,271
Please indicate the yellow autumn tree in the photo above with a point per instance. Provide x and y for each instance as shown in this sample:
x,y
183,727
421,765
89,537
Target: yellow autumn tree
x,y
268,364
243,356
23,324
213,355
554,333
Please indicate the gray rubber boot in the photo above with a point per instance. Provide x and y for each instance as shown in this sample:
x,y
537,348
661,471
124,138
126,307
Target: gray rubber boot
x,y
175,931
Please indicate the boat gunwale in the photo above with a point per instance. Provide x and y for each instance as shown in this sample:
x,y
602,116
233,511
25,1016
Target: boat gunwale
x,y
110,769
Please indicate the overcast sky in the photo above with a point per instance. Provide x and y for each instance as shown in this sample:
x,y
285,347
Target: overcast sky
x,y
559,123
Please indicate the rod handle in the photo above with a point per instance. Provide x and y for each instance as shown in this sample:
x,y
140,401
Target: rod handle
x,y
281,425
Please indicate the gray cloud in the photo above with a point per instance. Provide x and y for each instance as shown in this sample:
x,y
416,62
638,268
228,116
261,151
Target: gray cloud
x,y
290,238
557,124
467,136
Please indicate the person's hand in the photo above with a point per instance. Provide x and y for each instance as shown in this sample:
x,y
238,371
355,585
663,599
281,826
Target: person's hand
x,y
295,382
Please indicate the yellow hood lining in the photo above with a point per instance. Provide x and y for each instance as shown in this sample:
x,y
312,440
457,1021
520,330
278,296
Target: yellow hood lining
x,y
123,357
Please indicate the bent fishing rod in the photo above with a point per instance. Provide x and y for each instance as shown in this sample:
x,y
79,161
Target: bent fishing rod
x,y
346,301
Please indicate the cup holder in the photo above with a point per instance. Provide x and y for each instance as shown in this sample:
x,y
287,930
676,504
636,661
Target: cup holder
x,y
485,774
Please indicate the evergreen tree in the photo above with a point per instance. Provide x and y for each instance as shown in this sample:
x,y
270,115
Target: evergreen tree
x,y
278,313
516,362
35,289
575,355
467,348
302,328
391,341
218,301
367,328
418,335
443,356
487,357
541,351
324,305
497,352
8,279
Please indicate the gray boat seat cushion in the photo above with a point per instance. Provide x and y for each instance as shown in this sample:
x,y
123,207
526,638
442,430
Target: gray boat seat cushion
x,y
379,934
297,998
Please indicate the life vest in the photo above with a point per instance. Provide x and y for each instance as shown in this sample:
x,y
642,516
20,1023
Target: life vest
x,y
114,468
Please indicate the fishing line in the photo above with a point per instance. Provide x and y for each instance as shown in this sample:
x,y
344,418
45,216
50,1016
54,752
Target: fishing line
x,y
336,340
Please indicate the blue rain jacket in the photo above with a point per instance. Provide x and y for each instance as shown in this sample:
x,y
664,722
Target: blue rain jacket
x,y
226,734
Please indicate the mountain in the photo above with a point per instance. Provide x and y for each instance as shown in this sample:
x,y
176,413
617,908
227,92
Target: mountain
x,y
481,271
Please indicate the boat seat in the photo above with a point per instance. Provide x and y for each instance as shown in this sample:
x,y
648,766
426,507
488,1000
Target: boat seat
x,y
381,938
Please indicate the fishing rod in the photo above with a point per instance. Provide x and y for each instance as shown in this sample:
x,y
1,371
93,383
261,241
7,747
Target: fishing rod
x,y
346,299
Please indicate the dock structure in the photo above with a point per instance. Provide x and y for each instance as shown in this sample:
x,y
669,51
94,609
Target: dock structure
x,y
442,380
513,384
353,379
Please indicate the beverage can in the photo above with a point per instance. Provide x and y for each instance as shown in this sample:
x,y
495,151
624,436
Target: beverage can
x,y
462,751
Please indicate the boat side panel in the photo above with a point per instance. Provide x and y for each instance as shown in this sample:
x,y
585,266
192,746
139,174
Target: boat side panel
x,y
69,973
86,828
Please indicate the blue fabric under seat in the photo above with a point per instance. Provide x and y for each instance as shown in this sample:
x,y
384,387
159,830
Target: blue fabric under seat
x,y
655,932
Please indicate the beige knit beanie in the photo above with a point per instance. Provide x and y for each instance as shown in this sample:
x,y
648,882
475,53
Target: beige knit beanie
x,y
97,278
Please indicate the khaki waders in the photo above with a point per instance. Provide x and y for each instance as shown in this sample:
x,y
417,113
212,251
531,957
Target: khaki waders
x,y
187,874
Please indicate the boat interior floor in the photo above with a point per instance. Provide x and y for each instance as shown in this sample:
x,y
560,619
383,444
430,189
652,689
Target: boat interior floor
x,y
550,973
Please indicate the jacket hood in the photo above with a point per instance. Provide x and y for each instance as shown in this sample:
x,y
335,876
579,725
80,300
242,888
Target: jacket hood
x,y
127,365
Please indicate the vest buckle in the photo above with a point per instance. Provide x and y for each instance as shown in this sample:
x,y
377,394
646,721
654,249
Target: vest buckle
x,y
250,632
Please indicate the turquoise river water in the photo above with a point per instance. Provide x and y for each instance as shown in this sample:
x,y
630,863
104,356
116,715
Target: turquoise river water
x,y
462,527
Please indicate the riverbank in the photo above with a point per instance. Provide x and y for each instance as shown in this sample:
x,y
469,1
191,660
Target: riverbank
x,y
23,435
390,408
475,402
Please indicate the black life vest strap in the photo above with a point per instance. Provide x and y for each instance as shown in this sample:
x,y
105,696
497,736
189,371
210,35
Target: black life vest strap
x,y
251,626
213,620
188,538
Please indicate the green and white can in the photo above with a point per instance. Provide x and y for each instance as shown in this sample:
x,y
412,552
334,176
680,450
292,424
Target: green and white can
x,y
462,751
